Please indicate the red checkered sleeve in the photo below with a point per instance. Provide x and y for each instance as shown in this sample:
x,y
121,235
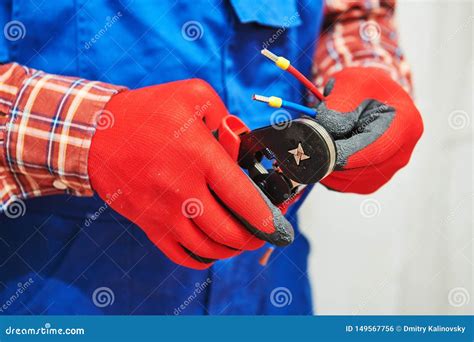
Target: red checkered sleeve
x,y
359,34
46,126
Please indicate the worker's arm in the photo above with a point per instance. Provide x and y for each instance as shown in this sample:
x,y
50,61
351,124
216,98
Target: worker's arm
x,y
149,153
360,33
367,110
46,126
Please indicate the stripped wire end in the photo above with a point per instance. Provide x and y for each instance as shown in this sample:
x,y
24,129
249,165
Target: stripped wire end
x,y
278,102
270,55
260,98
272,101
279,61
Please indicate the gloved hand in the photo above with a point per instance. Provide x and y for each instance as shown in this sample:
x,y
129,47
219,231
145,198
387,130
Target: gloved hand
x,y
177,182
375,125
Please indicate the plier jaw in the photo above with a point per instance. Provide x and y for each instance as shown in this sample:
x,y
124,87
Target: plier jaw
x,y
301,150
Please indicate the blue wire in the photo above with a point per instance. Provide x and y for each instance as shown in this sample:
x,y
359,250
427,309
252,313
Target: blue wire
x,y
299,108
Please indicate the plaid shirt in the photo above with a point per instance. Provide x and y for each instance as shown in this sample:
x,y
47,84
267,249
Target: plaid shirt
x,y
46,126
47,121
359,33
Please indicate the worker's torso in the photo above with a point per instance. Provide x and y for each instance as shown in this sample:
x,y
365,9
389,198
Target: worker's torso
x,y
107,265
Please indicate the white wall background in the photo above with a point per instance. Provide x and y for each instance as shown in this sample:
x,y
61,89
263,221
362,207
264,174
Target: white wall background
x,y
415,255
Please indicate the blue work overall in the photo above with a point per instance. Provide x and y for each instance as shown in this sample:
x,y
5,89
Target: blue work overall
x,y
66,258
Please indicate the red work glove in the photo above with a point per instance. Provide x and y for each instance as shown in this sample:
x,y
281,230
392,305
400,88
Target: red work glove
x,y
177,182
375,125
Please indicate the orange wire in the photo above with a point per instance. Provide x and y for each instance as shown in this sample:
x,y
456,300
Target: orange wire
x,y
266,256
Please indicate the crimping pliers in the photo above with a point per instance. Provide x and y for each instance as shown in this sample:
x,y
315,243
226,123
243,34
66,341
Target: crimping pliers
x,y
301,150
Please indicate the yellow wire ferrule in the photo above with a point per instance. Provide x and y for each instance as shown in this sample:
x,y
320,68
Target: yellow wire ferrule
x,y
275,102
282,63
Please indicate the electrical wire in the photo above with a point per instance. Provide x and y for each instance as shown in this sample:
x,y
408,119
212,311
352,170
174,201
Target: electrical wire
x,y
277,102
285,64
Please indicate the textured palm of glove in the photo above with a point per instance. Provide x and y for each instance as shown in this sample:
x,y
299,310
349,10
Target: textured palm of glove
x,y
177,182
375,125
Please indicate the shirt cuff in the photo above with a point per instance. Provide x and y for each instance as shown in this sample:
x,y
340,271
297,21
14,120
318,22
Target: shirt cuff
x,y
46,126
359,33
